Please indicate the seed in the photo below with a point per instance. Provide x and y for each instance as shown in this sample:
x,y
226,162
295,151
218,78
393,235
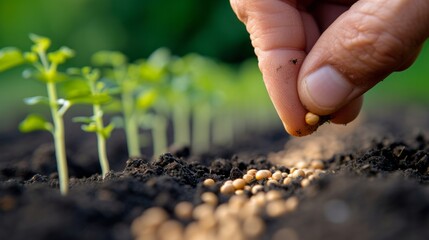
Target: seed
x,y
252,172
272,181
257,188
308,173
203,211
171,229
262,174
276,208
253,227
301,164
277,175
183,210
312,119
149,221
317,164
209,182
222,212
239,183
227,189
298,173
259,199
305,182
210,198
284,174
236,203
293,170
248,178
273,195
311,177
247,188
287,180
291,204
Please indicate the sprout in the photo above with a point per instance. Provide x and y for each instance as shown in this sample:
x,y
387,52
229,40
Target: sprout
x,y
97,96
46,71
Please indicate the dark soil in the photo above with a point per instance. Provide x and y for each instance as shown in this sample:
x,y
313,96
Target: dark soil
x,y
376,188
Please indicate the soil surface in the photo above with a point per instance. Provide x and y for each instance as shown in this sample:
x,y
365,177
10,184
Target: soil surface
x,y
375,185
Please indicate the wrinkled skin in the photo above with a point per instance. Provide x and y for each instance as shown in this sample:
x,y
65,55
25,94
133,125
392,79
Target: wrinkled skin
x,y
360,41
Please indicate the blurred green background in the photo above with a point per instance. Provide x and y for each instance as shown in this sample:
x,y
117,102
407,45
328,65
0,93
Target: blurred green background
x,y
138,27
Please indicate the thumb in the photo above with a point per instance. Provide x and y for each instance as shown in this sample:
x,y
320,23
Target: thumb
x,y
362,47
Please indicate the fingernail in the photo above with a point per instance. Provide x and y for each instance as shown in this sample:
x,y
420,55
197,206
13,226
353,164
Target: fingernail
x,y
326,88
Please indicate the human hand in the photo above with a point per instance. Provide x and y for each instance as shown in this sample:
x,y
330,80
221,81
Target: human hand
x,y
304,70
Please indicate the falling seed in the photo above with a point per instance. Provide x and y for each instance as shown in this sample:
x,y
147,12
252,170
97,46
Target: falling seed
x,y
183,210
210,198
262,174
209,182
312,119
239,183
227,188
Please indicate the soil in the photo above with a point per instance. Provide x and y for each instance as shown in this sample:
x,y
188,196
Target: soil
x,y
376,184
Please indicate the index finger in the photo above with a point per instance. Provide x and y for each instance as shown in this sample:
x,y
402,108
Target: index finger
x,y
278,35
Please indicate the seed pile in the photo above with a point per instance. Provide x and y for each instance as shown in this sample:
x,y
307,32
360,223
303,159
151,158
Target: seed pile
x,y
251,202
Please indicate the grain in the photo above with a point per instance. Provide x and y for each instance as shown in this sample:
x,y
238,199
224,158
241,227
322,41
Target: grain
x,y
312,119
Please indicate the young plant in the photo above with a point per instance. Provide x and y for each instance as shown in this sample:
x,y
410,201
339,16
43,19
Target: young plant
x,y
127,87
46,65
97,95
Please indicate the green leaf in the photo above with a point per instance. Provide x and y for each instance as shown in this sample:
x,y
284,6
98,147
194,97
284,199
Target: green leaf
x,y
41,44
34,122
86,120
10,57
91,127
147,99
36,100
109,58
106,132
101,98
61,55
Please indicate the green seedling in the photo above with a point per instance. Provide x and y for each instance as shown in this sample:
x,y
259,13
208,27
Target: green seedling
x,y
97,95
46,70
136,84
